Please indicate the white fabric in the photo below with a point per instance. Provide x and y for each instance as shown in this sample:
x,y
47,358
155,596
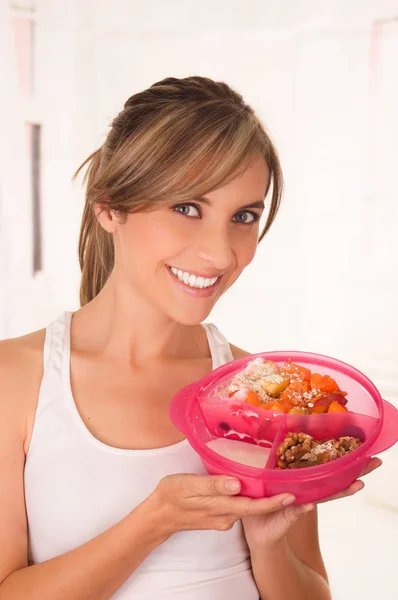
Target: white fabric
x,y
76,487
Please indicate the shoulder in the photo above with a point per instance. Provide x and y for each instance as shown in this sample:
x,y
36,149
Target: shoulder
x,y
238,352
21,354
21,369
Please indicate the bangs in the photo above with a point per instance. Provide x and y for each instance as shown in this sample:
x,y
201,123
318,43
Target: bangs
x,y
197,155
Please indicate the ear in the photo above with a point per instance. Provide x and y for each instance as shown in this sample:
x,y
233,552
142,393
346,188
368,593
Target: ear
x,y
107,218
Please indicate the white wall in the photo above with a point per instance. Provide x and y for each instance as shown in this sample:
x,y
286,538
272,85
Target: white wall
x,y
323,77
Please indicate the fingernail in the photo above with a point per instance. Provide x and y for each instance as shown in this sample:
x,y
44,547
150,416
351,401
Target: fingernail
x,y
232,485
289,500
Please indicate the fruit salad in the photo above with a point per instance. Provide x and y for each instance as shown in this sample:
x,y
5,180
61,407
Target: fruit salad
x,y
289,389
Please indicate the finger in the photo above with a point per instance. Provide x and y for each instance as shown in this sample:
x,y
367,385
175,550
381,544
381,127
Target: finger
x,y
293,513
248,507
374,463
350,491
213,485
358,485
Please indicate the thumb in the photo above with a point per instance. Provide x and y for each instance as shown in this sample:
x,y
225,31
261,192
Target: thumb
x,y
283,521
294,513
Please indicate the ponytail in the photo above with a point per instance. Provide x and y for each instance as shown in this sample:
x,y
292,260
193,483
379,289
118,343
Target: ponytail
x,y
96,251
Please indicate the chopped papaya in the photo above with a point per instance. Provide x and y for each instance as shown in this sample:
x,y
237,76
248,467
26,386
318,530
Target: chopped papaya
x,y
300,372
253,398
336,407
323,383
293,394
274,406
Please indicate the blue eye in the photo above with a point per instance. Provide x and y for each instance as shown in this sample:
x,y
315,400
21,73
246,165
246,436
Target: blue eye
x,y
246,217
189,210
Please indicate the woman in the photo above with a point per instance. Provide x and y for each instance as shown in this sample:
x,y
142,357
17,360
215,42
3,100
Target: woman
x,y
101,496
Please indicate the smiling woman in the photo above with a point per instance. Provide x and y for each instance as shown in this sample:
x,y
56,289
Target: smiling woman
x,y
210,241
176,141
105,498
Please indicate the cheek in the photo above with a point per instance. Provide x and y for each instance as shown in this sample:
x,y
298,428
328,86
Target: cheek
x,y
245,249
148,240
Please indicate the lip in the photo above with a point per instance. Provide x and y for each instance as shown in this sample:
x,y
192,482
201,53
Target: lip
x,y
196,292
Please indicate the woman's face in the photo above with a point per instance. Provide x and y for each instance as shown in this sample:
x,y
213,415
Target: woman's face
x,y
182,257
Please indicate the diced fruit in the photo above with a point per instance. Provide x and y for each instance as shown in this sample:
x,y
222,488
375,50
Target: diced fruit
x,y
299,410
253,398
335,397
276,407
323,383
292,389
317,397
336,407
293,394
292,369
322,402
275,384
321,405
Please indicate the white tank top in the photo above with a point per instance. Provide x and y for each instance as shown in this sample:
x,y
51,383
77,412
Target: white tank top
x,y
76,487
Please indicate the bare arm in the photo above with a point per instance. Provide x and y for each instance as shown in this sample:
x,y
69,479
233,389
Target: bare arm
x,y
282,576
93,571
294,570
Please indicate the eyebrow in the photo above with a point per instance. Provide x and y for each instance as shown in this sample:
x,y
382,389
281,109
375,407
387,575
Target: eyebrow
x,y
259,204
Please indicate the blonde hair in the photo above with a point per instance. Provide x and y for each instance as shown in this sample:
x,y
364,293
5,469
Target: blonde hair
x,y
178,139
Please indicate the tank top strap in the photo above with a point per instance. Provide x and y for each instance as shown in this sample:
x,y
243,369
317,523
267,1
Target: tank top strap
x,y
57,334
219,346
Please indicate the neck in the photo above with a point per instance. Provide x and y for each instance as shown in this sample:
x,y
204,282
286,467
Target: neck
x,y
123,324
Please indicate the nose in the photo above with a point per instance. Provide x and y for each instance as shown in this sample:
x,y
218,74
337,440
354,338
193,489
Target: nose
x,y
214,247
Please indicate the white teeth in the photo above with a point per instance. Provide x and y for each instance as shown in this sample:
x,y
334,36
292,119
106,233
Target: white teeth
x,y
192,280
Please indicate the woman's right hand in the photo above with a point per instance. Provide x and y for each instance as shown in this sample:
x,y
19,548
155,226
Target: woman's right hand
x,y
190,502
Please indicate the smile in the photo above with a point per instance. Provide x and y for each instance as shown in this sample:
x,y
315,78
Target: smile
x,y
193,281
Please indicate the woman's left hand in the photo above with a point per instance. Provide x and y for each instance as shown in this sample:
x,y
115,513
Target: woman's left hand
x,y
266,531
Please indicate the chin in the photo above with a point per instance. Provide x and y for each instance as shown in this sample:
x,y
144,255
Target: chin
x,y
193,317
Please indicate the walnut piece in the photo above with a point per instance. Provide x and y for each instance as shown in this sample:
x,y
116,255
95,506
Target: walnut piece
x,y
301,450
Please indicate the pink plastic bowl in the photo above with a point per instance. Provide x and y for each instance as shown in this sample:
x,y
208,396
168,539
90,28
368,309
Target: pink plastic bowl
x,y
202,413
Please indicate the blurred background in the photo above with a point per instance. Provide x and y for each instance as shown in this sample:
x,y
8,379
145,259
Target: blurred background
x,y
322,74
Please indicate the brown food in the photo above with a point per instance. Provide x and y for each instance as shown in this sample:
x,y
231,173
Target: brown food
x,y
301,450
